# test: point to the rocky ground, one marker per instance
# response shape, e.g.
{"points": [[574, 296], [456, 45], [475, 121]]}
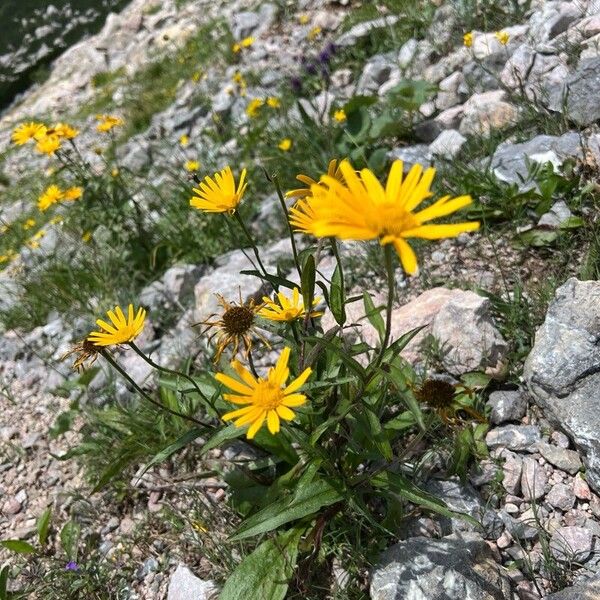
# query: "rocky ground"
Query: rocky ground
{"points": [[537, 494]]}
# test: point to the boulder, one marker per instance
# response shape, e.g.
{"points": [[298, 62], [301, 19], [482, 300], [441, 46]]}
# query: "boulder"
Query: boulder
{"points": [[486, 112], [447, 144], [563, 369], [184, 585], [507, 406], [583, 103], [455, 567]]}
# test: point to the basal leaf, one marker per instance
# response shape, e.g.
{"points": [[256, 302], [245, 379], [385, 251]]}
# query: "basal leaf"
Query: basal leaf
{"points": [[18, 546]]}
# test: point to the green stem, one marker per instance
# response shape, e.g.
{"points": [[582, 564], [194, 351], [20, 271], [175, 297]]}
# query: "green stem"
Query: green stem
{"points": [[173, 372], [239, 219], [389, 267], [146, 397], [275, 180]]}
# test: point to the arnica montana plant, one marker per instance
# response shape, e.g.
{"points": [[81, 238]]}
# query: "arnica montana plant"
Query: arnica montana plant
{"points": [[333, 425]]}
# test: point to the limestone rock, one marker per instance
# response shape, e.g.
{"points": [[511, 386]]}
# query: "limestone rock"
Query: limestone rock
{"points": [[507, 406], [583, 103], [487, 111], [563, 368], [184, 585], [457, 566]]}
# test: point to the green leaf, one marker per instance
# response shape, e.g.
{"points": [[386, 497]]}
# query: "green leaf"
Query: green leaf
{"points": [[308, 281], [373, 314], [265, 574], [376, 434], [18, 546], [400, 485], [62, 423], [537, 238], [397, 346], [115, 468], [337, 297], [358, 123], [187, 438], [378, 159], [69, 538], [231, 432], [475, 379], [359, 101], [4, 582], [405, 420], [43, 525], [307, 500]]}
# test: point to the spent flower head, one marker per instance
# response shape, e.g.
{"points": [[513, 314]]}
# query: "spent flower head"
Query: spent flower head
{"points": [[263, 399]]}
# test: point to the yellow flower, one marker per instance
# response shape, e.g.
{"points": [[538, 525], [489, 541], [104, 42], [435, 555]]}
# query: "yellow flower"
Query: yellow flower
{"points": [[285, 144], [265, 398], [247, 42], [62, 130], [10, 255], [502, 37], [314, 33], [28, 131], [123, 329], [184, 140], [273, 102], [33, 244], [29, 224], [73, 193], [39, 235], [286, 309], [236, 326], [236, 48], [340, 115], [303, 19], [107, 122], [219, 195], [56, 220], [48, 144], [191, 165], [87, 236], [51, 195], [333, 170], [468, 39], [362, 209], [115, 172], [196, 76], [254, 107]]}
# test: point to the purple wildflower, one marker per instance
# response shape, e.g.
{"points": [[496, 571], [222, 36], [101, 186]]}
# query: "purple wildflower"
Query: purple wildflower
{"points": [[71, 566]]}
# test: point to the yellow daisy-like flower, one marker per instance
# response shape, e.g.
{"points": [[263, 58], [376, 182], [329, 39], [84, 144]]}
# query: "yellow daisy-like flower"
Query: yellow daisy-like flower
{"points": [[107, 122], [86, 237], [123, 329], [286, 309], [273, 102], [62, 130], [340, 115], [314, 33], [9, 256], [265, 398], [254, 107], [184, 140], [236, 48], [219, 195], [114, 172], [502, 37], [468, 39], [33, 244], [285, 144], [196, 76], [191, 165], [29, 224], [362, 209], [56, 220], [39, 235], [247, 42], [48, 144], [333, 170], [303, 19], [73, 193], [28, 131], [51, 195]]}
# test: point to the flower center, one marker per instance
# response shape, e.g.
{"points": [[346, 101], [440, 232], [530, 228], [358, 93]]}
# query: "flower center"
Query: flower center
{"points": [[268, 395], [238, 320], [392, 219]]}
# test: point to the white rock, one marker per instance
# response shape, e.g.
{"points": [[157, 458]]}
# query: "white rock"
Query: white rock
{"points": [[184, 585]]}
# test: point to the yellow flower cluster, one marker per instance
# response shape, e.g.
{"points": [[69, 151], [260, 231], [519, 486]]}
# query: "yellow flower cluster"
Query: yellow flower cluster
{"points": [[48, 139], [245, 43], [253, 108], [501, 36], [53, 195]]}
